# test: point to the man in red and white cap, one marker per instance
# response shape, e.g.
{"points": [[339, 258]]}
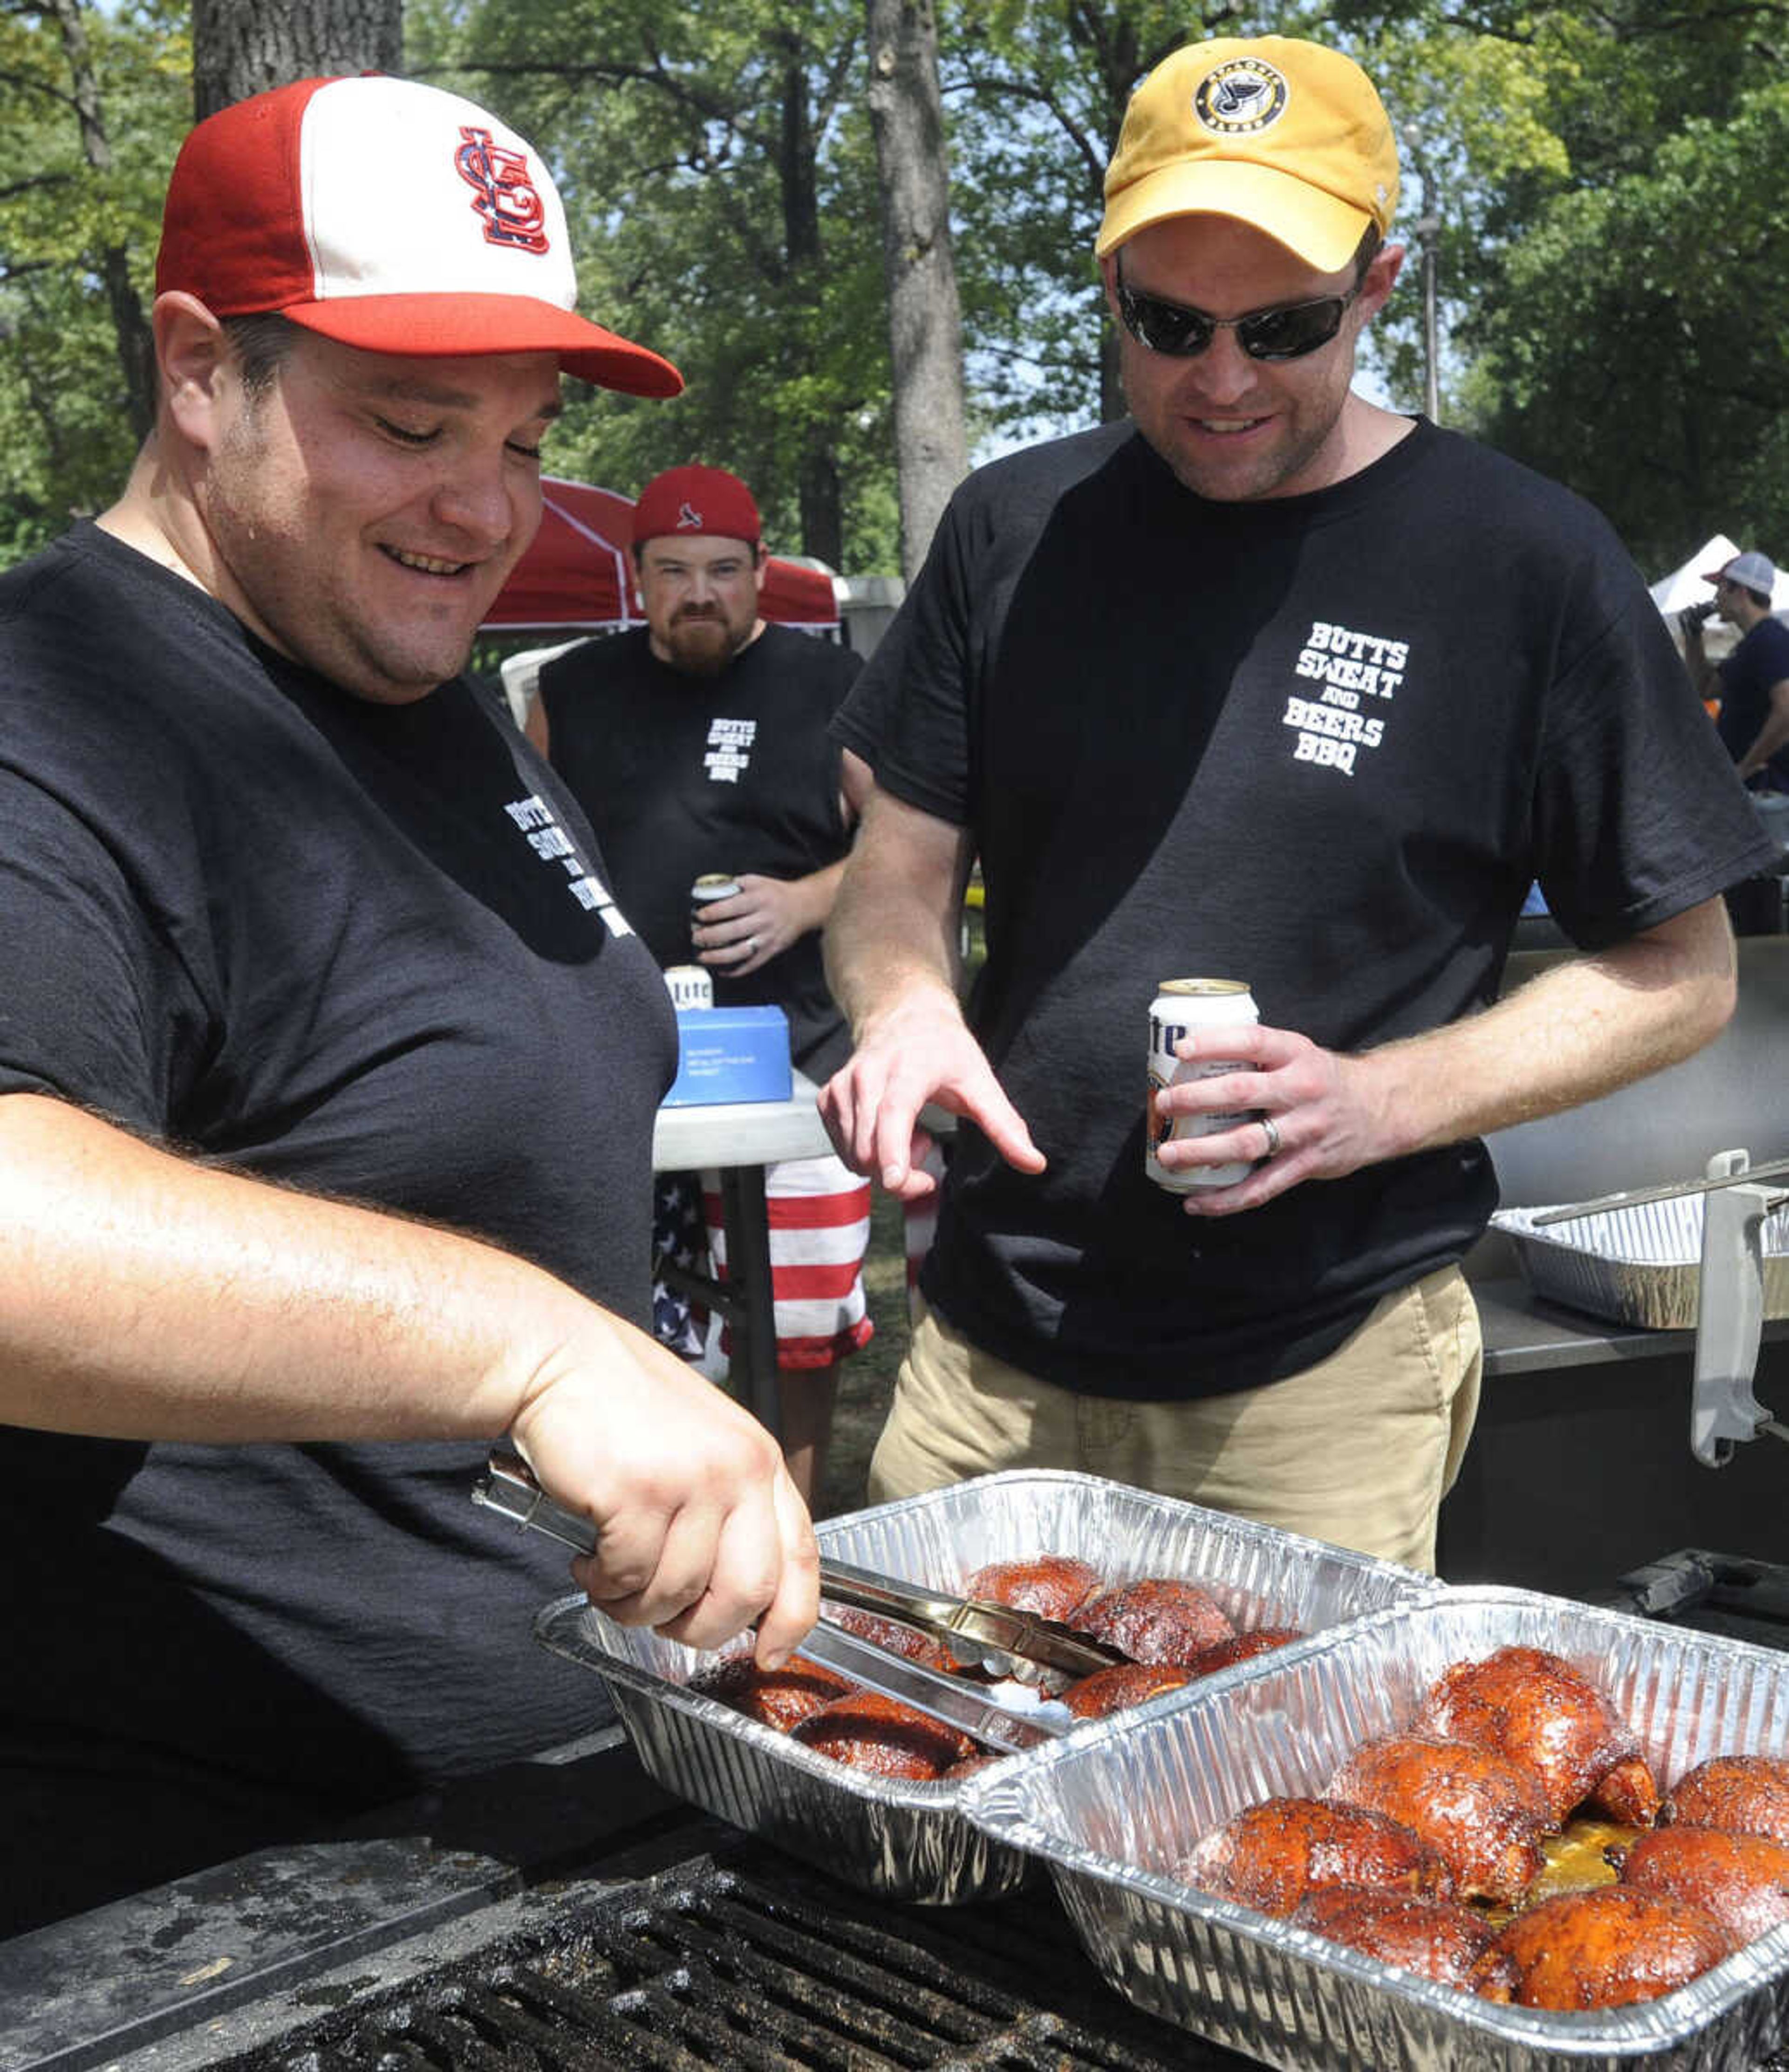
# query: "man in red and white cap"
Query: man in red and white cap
{"points": [[328, 1065], [696, 744]]}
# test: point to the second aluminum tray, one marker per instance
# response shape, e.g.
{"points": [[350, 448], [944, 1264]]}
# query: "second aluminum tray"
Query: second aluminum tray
{"points": [[1640, 1264], [1112, 1813]]}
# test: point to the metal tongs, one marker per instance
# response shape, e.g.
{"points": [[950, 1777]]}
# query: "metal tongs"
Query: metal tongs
{"points": [[978, 1634], [1672, 1192], [993, 1639]]}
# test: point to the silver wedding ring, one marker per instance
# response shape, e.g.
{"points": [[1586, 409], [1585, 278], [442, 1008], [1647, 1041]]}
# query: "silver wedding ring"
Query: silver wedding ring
{"points": [[751, 946], [1270, 1130]]}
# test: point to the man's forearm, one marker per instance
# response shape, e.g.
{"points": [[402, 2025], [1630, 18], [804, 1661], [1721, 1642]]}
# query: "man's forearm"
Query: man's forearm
{"points": [[1771, 736], [888, 932], [819, 891], [1578, 1031], [145, 1296]]}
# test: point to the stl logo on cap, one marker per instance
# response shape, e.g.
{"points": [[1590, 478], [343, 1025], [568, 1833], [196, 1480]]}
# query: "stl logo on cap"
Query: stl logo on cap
{"points": [[689, 518], [1240, 98], [507, 198]]}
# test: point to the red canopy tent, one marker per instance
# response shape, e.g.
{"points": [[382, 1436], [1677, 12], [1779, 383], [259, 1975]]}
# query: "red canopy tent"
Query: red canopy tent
{"points": [[578, 573]]}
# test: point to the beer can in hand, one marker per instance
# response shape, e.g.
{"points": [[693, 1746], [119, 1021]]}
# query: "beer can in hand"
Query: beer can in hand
{"points": [[1186, 1007], [712, 886]]}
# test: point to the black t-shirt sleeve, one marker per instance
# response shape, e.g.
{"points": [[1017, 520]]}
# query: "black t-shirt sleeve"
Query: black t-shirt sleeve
{"points": [[1634, 804], [908, 714], [96, 1005]]}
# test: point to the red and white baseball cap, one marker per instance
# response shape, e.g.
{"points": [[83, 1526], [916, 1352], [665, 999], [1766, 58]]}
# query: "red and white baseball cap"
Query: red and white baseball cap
{"points": [[697, 499], [389, 216]]}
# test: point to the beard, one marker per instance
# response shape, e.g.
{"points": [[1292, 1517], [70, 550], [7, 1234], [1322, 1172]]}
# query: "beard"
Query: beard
{"points": [[702, 644]]}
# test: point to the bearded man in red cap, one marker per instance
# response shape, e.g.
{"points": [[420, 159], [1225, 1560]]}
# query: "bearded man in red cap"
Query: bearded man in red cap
{"points": [[699, 745], [328, 1067]]}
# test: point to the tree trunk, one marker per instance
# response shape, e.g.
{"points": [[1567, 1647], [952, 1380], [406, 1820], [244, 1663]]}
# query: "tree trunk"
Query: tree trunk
{"points": [[925, 319], [822, 504], [136, 349], [244, 47], [817, 470]]}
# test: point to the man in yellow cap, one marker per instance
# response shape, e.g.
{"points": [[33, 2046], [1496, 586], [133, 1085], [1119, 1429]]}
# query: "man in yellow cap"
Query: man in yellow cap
{"points": [[1266, 684]]}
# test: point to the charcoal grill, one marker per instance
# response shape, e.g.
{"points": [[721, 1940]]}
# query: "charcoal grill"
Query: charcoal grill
{"points": [[686, 1944], [737, 1959]]}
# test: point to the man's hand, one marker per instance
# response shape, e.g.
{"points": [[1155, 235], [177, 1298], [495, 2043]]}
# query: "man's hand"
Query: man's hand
{"points": [[699, 1530], [1328, 1112], [1580, 1029], [918, 1050], [760, 922]]}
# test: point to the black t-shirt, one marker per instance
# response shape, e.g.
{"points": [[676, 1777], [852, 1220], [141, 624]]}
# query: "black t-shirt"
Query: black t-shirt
{"points": [[1758, 662], [365, 950], [1322, 744], [682, 775]]}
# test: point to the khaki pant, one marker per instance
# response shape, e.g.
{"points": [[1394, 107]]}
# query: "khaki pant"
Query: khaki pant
{"points": [[1359, 1450]]}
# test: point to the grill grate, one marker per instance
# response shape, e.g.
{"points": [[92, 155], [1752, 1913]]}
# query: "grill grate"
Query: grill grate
{"points": [[715, 1964]]}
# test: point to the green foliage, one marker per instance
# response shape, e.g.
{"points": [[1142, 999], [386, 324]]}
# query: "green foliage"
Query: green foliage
{"points": [[682, 139], [1606, 182], [1612, 251], [65, 440], [1641, 348]]}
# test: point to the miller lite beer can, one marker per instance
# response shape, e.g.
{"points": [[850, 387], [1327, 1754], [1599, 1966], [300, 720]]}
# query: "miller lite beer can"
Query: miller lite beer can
{"points": [[1186, 1007], [689, 985]]}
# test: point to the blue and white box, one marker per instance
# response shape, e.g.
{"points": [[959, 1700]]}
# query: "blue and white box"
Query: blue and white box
{"points": [[730, 1054]]}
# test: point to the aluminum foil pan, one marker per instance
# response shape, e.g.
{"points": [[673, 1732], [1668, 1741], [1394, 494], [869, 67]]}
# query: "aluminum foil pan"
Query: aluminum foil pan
{"points": [[1641, 1265], [910, 1841], [1110, 1807]]}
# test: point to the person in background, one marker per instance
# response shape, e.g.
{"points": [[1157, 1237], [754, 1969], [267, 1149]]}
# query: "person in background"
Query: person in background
{"points": [[1229, 690], [699, 744], [328, 1065], [1752, 683]]}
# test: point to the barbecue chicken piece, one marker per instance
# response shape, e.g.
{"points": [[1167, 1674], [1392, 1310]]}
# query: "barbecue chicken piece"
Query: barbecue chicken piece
{"points": [[1048, 1585], [1241, 1647], [1108, 1690], [1747, 1795], [1484, 1813], [1741, 1880], [868, 1732], [1440, 1938], [1601, 1948], [967, 1766], [1269, 1856], [780, 1698], [1535, 1707], [905, 1641], [1156, 1619], [1126, 1683]]}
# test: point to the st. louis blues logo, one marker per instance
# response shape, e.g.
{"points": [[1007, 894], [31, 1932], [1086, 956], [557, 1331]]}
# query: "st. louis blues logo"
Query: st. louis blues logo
{"points": [[1240, 96], [507, 199]]}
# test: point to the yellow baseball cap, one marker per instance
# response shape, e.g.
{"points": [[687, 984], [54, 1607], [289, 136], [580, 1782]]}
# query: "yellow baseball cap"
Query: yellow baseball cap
{"points": [[1280, 134]]}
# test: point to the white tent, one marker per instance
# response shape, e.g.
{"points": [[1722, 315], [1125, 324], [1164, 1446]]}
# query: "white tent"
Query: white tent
{"points": [[1685, 586]]}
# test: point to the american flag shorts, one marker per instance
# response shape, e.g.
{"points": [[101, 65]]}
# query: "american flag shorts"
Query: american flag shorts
{"points": [[819, 1215]]}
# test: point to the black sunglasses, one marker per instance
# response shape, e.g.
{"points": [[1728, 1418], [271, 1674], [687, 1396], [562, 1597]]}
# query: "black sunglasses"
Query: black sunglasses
{"points": [[1288, 332]]}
